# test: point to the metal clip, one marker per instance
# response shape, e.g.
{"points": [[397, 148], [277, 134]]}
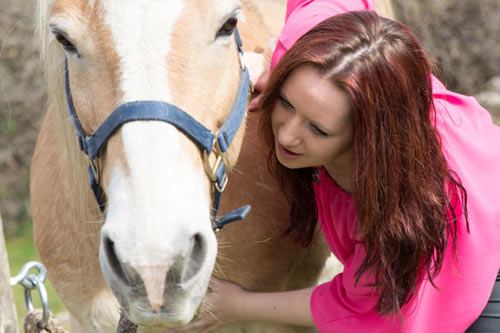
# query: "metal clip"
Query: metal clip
{"points": [[30, 282]]}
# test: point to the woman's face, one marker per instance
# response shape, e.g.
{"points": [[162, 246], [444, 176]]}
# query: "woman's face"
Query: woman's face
{"points": [[312, 124]]}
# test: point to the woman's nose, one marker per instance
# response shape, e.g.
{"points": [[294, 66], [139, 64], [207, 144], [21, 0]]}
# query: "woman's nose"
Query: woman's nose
{"points": [[289, 133]]}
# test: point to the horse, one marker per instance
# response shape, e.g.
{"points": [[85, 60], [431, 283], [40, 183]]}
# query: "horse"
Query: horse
{"points": [[151, 251]]}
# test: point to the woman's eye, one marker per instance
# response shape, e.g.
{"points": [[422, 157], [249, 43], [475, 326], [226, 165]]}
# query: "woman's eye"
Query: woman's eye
{"points": [[317, 131], [66, 44], [228, 27], [285, 103]]}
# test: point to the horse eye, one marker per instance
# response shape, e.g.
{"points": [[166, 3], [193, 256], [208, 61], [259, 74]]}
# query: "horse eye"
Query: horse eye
{"points": [[228, 27], [66, 44]]}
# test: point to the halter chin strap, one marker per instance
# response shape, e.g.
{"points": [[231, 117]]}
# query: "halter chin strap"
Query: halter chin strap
{"points": [[208, 142]]}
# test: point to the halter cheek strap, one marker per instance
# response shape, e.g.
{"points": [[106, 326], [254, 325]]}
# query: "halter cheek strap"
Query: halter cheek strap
{"points": [[208, 142]]}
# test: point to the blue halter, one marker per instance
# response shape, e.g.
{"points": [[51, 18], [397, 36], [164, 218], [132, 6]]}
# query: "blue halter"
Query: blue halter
{"points": [[208, 142]]}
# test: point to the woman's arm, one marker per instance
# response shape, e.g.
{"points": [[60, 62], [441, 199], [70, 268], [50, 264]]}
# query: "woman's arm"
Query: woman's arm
{"points": [[291, 307], [227, 302]]}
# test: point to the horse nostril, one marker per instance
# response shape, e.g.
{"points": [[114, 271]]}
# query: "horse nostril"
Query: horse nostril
{"points": [[196, 257], [114, 262]]}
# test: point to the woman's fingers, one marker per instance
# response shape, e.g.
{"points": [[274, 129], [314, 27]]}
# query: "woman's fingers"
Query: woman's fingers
{"points": [[217, 310], [207, 324], [258, 67], [200, 323], [253, 105], [255, 63], [259, 85], [261, 82]]}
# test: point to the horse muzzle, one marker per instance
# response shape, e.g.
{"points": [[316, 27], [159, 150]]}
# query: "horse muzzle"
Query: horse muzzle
{"points": [[166, 291]]}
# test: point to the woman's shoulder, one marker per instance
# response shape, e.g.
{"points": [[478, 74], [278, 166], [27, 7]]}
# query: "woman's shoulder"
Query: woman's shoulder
{"points": [[463, 123], [469, 140]]}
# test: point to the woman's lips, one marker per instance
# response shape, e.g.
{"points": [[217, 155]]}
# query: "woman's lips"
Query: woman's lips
{"points": [[289, 155]]}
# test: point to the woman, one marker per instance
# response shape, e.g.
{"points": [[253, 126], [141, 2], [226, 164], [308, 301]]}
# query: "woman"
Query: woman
{"points": [[402, 175]]}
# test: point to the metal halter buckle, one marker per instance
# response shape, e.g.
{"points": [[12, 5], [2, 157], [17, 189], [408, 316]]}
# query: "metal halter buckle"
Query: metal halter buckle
{"points": [[212, 170], [224, 183]]}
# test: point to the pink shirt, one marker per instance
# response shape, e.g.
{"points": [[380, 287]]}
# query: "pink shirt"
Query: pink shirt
{"points": [[303, 15], [471, 145]]}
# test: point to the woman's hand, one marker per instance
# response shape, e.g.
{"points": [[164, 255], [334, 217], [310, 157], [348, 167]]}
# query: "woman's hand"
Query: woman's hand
{"points": [[258, 66], [259, 85], [219, 307], [226, 303]]}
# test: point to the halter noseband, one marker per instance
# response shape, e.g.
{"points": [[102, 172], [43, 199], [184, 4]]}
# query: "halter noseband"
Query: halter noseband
{"points": [[208, 142]]}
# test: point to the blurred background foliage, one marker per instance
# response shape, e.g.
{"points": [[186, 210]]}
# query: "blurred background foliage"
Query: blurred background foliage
{"points": [[21, 110], [462, 36]]}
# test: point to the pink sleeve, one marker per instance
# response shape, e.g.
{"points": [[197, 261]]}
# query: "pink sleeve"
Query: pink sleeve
{"points": [[303, 15], [339, 306]]}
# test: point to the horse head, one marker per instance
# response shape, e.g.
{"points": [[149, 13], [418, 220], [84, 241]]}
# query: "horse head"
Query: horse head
{"points": [[157, 247]]}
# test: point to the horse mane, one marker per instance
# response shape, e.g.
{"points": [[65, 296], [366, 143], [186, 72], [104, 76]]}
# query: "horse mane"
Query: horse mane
{"points": [[52, 62]]}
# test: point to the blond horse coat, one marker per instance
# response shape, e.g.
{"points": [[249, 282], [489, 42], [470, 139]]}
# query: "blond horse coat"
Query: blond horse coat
{"points": [[155, 247], [157, 222]]}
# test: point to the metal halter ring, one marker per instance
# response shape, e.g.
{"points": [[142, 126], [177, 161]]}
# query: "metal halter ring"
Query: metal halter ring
{"points": [[212, 170], [224, 183], [34, 281], [44, 298]]}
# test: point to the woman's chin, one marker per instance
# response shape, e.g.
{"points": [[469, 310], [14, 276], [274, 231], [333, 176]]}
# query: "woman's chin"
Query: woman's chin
{"points": [[289, 163]]}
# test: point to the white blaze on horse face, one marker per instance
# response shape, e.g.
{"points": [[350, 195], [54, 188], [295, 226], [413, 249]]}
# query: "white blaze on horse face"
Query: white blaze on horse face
{"points": [[141, 34], [158, 221]]}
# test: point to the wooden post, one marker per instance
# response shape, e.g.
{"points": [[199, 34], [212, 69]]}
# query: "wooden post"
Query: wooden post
{"points": [[8, 315]]}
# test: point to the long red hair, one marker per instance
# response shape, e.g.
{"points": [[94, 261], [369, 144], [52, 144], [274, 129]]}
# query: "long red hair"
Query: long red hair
{"points": [[407, 199]]}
